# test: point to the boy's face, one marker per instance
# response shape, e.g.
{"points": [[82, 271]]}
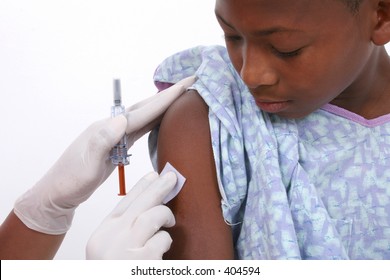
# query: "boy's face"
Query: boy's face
{"points": [[296, 56]]}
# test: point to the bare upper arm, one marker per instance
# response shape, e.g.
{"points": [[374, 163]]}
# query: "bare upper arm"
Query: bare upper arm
{"points": [[184, 141]]}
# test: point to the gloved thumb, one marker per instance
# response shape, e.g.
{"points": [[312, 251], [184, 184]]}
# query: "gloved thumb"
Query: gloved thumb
{"points": [[108, 133]]}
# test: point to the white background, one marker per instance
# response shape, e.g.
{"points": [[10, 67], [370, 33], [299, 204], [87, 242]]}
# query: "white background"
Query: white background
{"points": [[57, 62]]}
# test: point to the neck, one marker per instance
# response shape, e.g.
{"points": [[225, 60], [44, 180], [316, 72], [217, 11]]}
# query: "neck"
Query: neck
{"points": [[369, 95]]}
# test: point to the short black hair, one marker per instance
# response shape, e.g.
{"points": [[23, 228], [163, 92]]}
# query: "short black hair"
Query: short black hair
{"points": [[353, 5]]}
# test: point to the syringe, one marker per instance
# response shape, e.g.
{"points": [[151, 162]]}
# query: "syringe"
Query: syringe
{"points": [[119, 154]]}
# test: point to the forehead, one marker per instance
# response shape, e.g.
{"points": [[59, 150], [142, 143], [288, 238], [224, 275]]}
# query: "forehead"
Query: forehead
{"points": [[294, 11], [265, 4], [305, 14]]}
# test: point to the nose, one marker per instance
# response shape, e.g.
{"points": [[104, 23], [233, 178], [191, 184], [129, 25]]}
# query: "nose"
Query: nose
{"points": [[257, 69]]}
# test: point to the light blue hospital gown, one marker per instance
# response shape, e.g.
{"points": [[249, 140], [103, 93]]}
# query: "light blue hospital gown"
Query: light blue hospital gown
{"points": [[313, 188]]}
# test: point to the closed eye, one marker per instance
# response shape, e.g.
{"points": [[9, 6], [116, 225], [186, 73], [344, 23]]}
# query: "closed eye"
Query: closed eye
{"points": [[288, 54], [232, 38]]}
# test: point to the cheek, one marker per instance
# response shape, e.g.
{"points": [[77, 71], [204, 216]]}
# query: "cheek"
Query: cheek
{"points": [[315, 86], [335, 64], [318, 71], [333, 76]]}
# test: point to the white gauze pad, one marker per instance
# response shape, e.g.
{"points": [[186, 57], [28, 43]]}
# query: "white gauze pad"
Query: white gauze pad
{"points": [[179, 183]]}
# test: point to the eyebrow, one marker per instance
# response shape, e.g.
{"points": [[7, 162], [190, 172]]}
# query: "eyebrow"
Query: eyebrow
{"points": [[265, 32]]}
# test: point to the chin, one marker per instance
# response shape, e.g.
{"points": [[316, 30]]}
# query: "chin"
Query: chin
{"points": [[292, 115]]}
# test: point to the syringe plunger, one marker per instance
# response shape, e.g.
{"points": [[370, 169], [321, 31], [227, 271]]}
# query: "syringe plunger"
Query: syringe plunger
{"points": [[117, 93]]}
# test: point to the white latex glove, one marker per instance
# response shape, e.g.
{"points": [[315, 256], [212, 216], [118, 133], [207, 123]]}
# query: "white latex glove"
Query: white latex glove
{"points": [[49, 205], [132, 230]]}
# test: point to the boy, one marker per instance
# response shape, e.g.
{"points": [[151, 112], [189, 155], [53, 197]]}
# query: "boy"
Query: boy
{"points": [[299, 133]]}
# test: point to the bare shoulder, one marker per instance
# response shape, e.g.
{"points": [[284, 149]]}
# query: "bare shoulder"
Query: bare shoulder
{"points": [[186, 119], [184, 141]]}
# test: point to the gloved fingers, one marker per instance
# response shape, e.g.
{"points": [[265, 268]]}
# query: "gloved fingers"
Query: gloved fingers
{"points": [[159, 244], [146, 111], [140, 187], [105, 134], [135, 135], [140, 117], [184, 83], [149, 222], [152, 196], [187, 82]]}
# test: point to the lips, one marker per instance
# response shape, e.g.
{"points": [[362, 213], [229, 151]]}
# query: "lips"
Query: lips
{"points": [[272, 106]]}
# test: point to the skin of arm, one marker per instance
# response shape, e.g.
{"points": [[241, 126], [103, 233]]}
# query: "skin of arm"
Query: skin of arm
{"points": [[19, 242], [184, 141]]}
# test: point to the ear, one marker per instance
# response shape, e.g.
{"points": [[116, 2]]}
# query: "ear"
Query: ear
{"points": [[381, 32]]}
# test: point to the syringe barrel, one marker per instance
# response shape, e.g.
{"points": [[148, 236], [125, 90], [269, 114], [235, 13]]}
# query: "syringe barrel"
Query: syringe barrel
{"points": [[117, 110], [118, 154]]}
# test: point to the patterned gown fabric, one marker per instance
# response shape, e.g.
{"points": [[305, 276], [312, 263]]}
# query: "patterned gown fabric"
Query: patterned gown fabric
{"points": [[313, 188]]}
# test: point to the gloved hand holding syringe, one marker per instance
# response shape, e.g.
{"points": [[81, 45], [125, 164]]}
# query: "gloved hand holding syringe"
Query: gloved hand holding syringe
{"points": [[44, 213]]}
